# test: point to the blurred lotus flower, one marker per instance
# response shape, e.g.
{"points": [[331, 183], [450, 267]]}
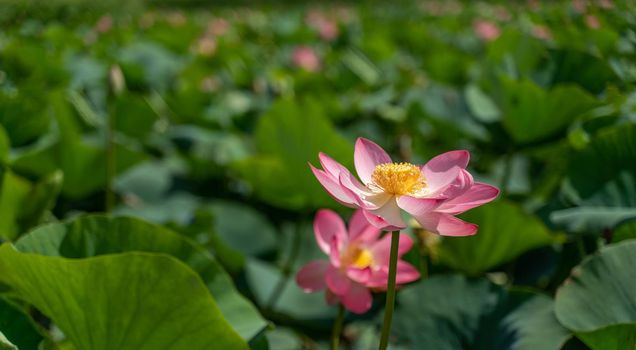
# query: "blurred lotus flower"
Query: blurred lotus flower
{"points": [[541, 32], [502, 14], [580, 6], [306, 58], [358, 261], [176, 18], [486, 30], [104, 24], [218, 26], [606, 4], [327, 28], [314, 17], [210, 84], [592, 22], [534, 5], [432, 193], [206, 46]]}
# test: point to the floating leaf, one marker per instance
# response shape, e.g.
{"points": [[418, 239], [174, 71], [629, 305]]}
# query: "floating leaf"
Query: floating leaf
{"points": [[598, 301], [133, 300], [601, 181], [455, 312], [505, 232], [95, 235], [531, 113], [288, 137], [481, 105]]}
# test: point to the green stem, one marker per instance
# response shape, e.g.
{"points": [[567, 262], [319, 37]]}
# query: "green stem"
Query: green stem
{"points": [[390, 292], [337, 328]]}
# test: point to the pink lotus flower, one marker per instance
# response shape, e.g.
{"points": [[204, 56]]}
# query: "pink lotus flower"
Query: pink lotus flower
{"points": [[541, 32], [306, 58], [104, 24], [432, 193], [592, 22], [486, 30], [358, 261], [327, 28]]}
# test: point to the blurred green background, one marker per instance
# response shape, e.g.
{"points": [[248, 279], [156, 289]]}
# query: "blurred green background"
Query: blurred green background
{"points": [[183, 129]]}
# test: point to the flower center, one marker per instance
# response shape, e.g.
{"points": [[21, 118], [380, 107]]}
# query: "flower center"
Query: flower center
{"points": [[398, 178], [357, 257]]}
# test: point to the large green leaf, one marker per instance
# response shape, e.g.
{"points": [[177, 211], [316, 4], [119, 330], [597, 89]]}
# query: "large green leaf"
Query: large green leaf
{"points": [[601, 181], [455, 312], [505, 232], [96, 235], [531, 113], [124, 301], [23, 120], [590, 72], [76, 156], [288, 137], [516, 52], [598, 301], [18, 327], [133, 115], [611, 153]]}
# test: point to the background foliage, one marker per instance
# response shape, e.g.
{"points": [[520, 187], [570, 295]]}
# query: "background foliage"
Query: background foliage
{"points": [[191, 128]]}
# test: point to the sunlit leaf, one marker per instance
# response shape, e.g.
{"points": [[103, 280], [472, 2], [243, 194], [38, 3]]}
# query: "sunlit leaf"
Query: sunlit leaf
{"points": [[598, 301], [454, 312], [505, 232], [90, 236], [288, 137], [135, 300]]}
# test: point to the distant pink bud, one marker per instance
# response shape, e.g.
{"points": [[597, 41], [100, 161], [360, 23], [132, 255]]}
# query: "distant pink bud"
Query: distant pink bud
{"points": [[502, 14], [104, 24], [218, 26], [541, 32], [580, 6], [306, 58], [314, 17], [328, 30], [486, 30], [592, 22], [206, 46], [176, 18]]}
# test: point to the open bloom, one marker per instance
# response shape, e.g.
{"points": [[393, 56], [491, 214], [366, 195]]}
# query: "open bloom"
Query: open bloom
{"points": [[432, 193], [358, 261]]}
